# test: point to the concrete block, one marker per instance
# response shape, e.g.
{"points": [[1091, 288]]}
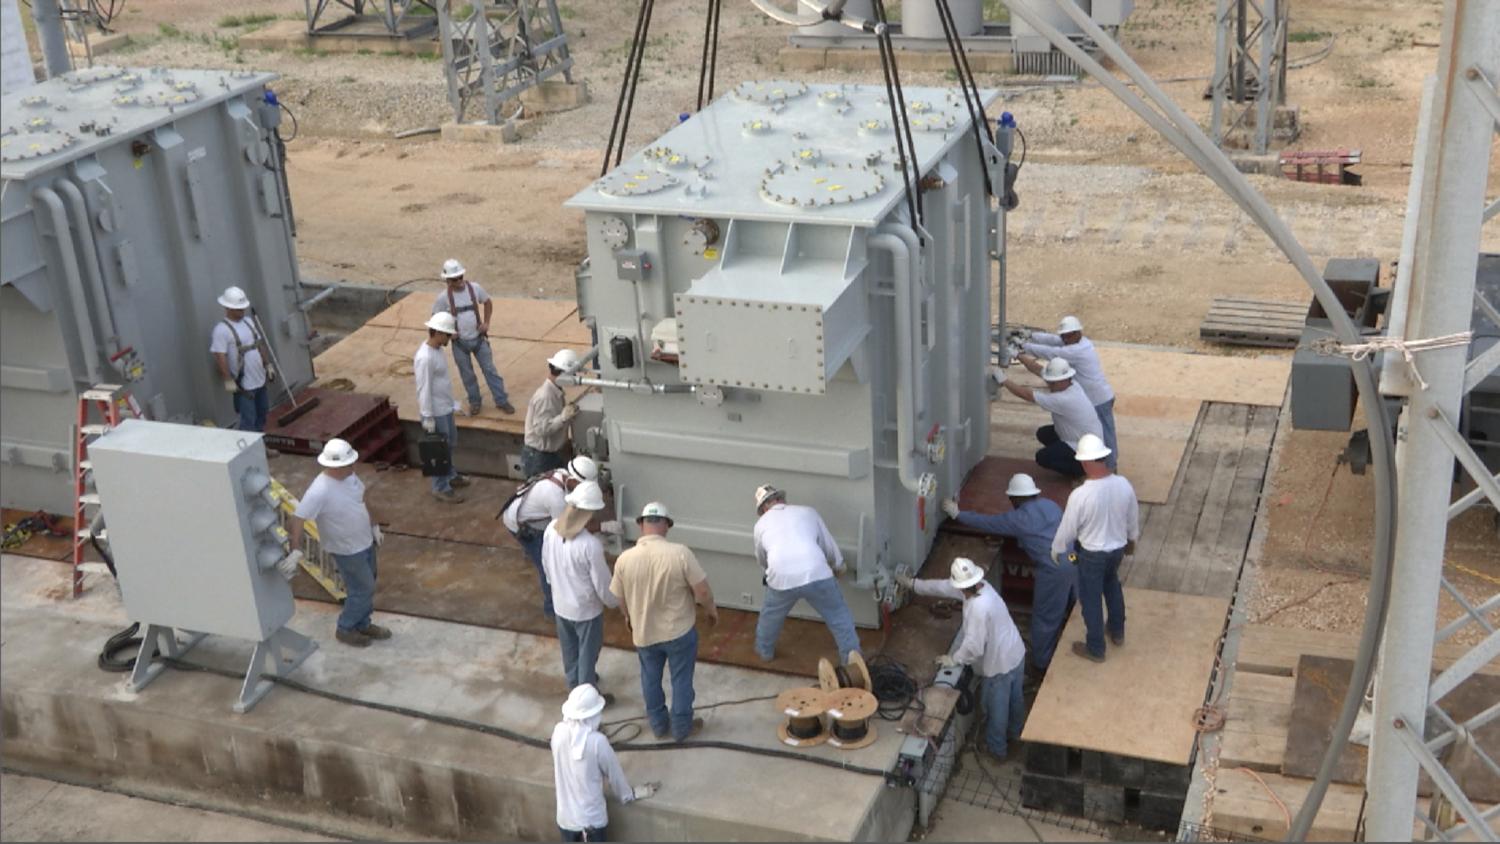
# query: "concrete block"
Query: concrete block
{"points": [[1104, 802], [1164, 778], [285, 35], [1121, 770], [555, 95], [1052, 794], [1046, 759], [1160, 811], [854, 58], [803, 58], [99, 44], [1092, 768], [482, 133], [1265, 165]]}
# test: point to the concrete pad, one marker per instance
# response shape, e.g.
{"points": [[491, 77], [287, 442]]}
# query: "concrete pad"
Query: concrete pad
{"points": [[285, 35], [803, 58], [349, 770], [99, 44], [72, 813], [554, 95], [481, 133]]}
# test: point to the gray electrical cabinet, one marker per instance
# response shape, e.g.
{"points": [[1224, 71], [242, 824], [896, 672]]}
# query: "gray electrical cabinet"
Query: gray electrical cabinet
{"points": [[132, 198], [767, 311]]}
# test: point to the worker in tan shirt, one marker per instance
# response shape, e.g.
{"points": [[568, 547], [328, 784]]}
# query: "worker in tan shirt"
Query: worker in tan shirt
{"points": [[658, 583], [547, 417]]}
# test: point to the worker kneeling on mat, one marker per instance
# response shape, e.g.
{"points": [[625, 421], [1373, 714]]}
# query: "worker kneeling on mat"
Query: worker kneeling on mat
{"points": [[1072, 415], [989, 643], [335, 502], [584, 766], [802, 563]]}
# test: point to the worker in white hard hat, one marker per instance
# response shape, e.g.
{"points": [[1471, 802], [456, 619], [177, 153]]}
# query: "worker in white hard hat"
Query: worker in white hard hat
{"points": [[989, 644], [1099, 527], [535, 504], [574, 562], [435, 399], [802, 562], [472, 308], [547, 417], [1032, 521], [350, 533], [1072, 415], [238, 350], [658, 583], [1070, 345], [584, 766]]}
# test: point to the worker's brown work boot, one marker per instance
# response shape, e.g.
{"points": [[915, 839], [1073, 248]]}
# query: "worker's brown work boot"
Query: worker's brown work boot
{"points": [[1080, 649], [375, 631], [508, 409], [697, 727], [353, 637], [449, 497]]}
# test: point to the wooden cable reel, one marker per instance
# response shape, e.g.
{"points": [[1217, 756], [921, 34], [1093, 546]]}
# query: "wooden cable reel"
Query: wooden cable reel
{"points": [[854, 675], [850, 710], [804, 712]]}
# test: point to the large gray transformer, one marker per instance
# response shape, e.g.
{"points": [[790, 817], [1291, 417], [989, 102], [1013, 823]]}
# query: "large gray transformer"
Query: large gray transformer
{"points": [[767, 312], [132, 198]]}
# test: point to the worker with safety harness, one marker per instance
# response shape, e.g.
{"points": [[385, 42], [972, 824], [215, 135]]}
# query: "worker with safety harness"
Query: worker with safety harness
{"points": [[236, 345], [547, 417], [472, 307], [535, 504]]}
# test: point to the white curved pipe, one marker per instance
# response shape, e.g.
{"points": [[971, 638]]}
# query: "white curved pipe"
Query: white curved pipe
{"points": [[919, 268], [643, 387], [904, 267], [80, 211], [80, 303]]}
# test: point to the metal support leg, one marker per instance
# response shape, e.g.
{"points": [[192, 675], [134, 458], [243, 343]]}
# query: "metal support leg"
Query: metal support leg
{"points": [[277, 656], [158, 640]]}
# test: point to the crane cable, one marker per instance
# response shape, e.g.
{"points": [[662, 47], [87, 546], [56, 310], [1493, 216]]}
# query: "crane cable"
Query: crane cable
{"points": [[965, 73], [900, 124], [710, 61], [625, 103]]}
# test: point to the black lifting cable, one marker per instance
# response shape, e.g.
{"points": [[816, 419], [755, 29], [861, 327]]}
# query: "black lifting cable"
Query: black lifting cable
{"points": [[110, 659], [911, 146], [713, 63], [710, 61], [626, 100], [961, 68], [909, 175]]}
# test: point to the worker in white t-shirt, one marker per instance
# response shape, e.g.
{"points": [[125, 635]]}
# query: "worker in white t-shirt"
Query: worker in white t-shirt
{"points": [[1099, 527], [435, 400], [236, 346], [1073, 415], [802, 563], [472, 307], [1070, 345], [335, 502]]}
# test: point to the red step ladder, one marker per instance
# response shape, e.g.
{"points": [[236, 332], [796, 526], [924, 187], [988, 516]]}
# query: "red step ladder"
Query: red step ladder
{"points": [[107, 400]]}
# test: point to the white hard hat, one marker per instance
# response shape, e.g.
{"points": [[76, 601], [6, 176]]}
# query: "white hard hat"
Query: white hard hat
{"points": [[444, 322], [583, 702], [586, 496], [766, 492], [1091, 447], [1021, 486], [582, 468], [1069, 325], [452, 269], [1057, 369], [657, 510], [563, 359], [965, 573], [337, 454], [234, 299]]}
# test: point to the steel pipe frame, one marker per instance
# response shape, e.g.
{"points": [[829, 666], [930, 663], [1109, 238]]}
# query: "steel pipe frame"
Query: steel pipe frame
{"points": [[494, 61], [1232, 60]]}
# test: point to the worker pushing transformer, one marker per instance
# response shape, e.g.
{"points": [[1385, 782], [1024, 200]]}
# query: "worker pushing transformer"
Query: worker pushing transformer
{"points": [[1070, 345], [1073, 416], [802, 563]]}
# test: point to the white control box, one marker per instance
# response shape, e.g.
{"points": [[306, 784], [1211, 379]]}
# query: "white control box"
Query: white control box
{"points": [[193, 532]]}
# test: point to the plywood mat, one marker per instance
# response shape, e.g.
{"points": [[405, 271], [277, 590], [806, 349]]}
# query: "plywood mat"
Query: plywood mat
{"points": [[1157, 399], [1139, 702], [377, 358]]}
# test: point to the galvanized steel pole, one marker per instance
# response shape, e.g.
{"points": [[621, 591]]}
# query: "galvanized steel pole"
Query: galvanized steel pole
{"points": [[49, 31]]}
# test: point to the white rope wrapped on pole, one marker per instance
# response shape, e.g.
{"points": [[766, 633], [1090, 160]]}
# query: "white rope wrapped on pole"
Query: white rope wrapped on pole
{"points": [[1408, 349]]}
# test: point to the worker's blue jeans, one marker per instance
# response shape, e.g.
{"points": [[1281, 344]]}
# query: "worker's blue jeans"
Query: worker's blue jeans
{"points": [[681, 655], [595, 833], [358, 571], [825, 599], [252, 406], [533, 549], [1004, 708], [448, 428], [1055, 589], [535, 461], [1056, 454], [479, 347], [1098, 589], [581, 641], [1106, 411]]}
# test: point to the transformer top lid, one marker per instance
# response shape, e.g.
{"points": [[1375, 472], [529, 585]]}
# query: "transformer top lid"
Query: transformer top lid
{"points": [[782, 150], [76, 114]]}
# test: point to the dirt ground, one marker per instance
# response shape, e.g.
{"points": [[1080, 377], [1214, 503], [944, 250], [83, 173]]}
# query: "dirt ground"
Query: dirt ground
{"points": [[1113, 226]]}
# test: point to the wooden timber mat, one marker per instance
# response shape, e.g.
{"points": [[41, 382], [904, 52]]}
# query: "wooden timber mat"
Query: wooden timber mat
{"points": [[377, 357], [457, 563], [1158, 396], [1321, 684], [1140, 701]]}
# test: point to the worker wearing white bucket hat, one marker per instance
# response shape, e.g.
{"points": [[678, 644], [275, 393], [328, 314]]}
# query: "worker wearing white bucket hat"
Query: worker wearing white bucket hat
{"points": [[1099, 527], [236, 345], [989, 644], [335, 502], [1070, 345], [584, 766], [573, 559]]}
